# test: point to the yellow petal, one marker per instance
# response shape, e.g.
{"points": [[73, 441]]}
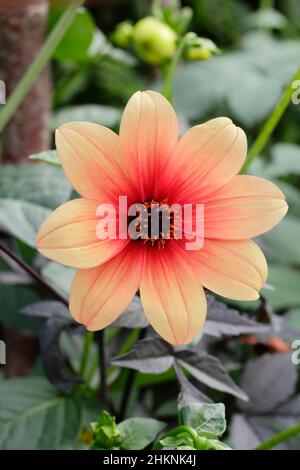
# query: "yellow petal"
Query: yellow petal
{"points": [[92, 160], [233, 269], [99, 295], [69, 236], [244, 208], [206, 157], [173, 299]]}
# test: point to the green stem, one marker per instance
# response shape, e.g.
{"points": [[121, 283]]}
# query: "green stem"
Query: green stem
{"points": [[92, 369], [102, 369], [88, 340], [271, 123], [156, 8], [171, 68], [129, 384], [280, 437], [39, 63]]}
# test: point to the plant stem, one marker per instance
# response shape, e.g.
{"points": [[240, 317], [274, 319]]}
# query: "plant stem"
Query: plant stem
{"points": [[129, 383], [92, 369], [102, 368], [127, 392], [156, 8], [32, 273], [280, 437], [171, 68], [88, 340], [271, 123], [39, 63]]}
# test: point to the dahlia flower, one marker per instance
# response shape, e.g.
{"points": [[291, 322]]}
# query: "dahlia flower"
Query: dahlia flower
{"points": [[151, 165]]}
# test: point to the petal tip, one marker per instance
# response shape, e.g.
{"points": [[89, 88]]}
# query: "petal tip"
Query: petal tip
{"points": [[90, 326], [256, 296], [59, 135]]}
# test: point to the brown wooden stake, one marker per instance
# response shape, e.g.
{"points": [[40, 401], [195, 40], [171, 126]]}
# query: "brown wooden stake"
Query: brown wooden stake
{"points": [[23, 31]]}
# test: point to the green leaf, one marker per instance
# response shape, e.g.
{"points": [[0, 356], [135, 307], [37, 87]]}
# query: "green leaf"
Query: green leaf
{"points": [[22, 219], [200, 103], [16, 292], [49, 157], [105, 115], [286, 281], [285, 160], [263, 65], [40, 184], [101, 48], [60, 277], [181, 441], [209, 370], [34, 416], [116, 79], [266, 90], [70, 84], [208, 419], [282, 243], [293, 318], [106, 434], [224, 19], [214, 444], [138, 433], [78, 38], [150, 355], [268, 18], [13, 298]]}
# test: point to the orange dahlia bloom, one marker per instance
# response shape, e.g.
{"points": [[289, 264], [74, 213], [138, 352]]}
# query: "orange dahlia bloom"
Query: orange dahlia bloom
{"points": [[149, 162]]}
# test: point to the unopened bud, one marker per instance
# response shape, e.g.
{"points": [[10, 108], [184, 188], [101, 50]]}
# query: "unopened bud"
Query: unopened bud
{"points": [[154, 41], [200, 49], [122, 35]]}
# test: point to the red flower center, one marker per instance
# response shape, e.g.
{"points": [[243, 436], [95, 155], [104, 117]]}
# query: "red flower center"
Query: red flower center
{"points": [[154, 224]]}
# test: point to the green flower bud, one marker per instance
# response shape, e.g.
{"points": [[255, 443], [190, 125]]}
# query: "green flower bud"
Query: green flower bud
{"points": [[154, 41], [122, 35], [197, 53], [106, 434], [200, 49]]}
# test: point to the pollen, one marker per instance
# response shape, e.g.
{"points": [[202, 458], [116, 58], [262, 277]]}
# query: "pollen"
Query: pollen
{"points": [[156, 224]]}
